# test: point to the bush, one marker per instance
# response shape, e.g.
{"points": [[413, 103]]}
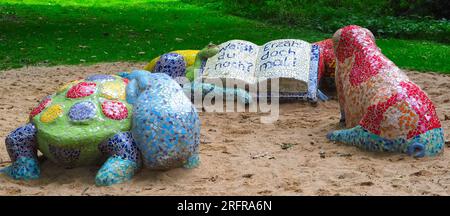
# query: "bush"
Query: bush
{"points": [[433, 8], [381, 17]]}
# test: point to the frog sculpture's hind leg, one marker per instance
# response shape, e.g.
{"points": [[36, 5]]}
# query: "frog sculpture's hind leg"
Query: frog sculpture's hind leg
{"points": [[22, 149], [123, 162]]}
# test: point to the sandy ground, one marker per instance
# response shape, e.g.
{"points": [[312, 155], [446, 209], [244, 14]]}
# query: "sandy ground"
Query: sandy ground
{"points": [[239, 154]]}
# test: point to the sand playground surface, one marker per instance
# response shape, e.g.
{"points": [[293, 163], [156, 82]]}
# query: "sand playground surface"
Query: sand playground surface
{"points": [[239, 154]]}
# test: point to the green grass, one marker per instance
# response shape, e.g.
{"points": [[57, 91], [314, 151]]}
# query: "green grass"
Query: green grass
{"points": [[74, 32], [417, 55]]}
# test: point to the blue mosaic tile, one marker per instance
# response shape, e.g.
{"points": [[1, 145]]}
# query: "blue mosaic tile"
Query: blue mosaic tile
{"points": [[115, 170], [121, 145], [64, 156], [172, 64], [22, 142], [82, 111], [165, 126], [24, 168], [418, 146]]}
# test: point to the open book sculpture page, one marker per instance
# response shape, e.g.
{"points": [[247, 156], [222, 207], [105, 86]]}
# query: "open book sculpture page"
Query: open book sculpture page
{"points": [[293, 63]]}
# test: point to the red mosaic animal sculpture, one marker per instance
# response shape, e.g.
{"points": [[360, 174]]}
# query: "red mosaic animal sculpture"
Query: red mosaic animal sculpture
{"points": [[384, 110], [327, 62]]}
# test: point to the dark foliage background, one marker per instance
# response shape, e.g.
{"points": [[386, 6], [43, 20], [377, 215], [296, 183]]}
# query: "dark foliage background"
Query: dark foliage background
{"points": [[409, 19]]}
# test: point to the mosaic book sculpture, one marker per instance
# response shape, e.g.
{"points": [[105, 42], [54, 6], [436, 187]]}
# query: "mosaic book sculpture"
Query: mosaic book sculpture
{"points": [[88, 120], [382, 108], [183, 63], [294, 63]]}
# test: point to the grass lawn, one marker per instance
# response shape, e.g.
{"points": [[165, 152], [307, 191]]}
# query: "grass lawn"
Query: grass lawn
{"points": [[35, 32]]}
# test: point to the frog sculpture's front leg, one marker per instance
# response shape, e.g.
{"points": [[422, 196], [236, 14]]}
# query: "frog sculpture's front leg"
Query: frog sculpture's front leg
{"points": [[22, 149], [123, 162]]}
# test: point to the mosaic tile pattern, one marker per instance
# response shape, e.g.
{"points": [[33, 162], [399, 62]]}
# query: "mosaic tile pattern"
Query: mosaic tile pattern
{"points": [[358, 136], [113, 90], [313, 76], [82, 111], [24, 168], [166, 126], [115, 170], [68, 127], [327, 63], [383, 108], [22, 142], [115, 110], [188, 55], [82, 89], [52, 113], [121, 145], [176, 63], [124, 161], [44, 104], [172, 64], [65, 156], [80, 125], [22, 149]]}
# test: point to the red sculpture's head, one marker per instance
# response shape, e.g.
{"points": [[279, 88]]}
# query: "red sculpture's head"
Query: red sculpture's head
{"points": [[327, 60], [351, 38]]}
